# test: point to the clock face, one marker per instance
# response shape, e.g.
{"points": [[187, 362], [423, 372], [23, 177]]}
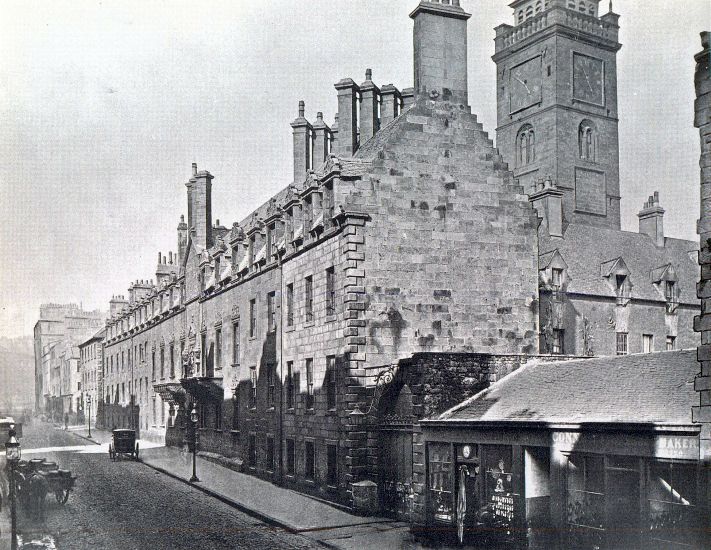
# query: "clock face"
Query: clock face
{"points": [[466, 451], [588, 79], [525, 84]]}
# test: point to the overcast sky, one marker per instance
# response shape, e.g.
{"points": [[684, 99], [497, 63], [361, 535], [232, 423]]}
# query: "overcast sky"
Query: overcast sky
{"points": [[104, 105]]}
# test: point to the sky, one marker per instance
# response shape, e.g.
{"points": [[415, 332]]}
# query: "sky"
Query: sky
{"points": [[105, 105]]}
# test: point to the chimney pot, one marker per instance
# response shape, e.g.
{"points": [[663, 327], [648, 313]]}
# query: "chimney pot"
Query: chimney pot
{"points": [[194, 168], [302, 108], [217, 222], [651, 219], [158, 257], [368, 74]]}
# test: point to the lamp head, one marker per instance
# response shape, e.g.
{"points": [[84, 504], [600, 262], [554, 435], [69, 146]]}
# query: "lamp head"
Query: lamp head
{"points": [[12, 446], [193, 415]]}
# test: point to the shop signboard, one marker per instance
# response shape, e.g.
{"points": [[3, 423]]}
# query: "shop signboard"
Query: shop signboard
{"points": [[677, 446]]}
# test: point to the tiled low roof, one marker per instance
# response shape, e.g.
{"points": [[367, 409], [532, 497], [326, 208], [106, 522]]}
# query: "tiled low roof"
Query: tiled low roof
{"points": [[640, 388], [584, 249]]}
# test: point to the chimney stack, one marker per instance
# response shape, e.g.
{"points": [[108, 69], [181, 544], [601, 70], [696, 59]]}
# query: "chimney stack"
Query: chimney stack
{"points": [[651, 219], [347, 143], [182, 239], [389, 104], [200, 207], [322, 140], [302, 145], [548, 202], [440, 46], [369, 102]]}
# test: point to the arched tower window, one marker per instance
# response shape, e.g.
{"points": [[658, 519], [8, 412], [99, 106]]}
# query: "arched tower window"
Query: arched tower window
{"points": [[587, 140], [571, 5], [583, 8], [520, 16], [591, 10], [539, 6], [526, 145], [529, 12]]}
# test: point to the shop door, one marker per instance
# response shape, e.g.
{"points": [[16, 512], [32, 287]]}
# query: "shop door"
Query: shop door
{"points": [[623, 510], [396, 473]]}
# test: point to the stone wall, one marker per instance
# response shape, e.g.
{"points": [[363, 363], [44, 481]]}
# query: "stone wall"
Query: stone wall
{"points": [[702, 121]]}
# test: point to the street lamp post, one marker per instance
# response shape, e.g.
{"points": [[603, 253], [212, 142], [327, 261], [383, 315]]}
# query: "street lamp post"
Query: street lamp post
{"points": [[12, 454], [194, 420], [88, 406]]}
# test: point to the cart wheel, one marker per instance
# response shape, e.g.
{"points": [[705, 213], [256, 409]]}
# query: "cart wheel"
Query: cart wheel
{"points": [[62, 495], [135, 456]]}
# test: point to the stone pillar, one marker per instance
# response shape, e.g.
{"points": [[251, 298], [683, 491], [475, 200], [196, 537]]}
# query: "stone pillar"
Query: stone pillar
{"points": [[347, 117], [389, 104], [702, 323], [440, 47], [322, 139], [369, 102], [651, 219], [302, 145]]}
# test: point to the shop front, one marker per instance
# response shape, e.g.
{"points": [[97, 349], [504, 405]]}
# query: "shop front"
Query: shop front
{"points": [[566, 486]]}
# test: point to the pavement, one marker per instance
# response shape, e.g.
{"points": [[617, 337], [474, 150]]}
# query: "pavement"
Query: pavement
{"points": [[293, 511]]}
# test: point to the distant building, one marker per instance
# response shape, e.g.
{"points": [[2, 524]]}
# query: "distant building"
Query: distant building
{"points": [[67, 324], [91, 371]]}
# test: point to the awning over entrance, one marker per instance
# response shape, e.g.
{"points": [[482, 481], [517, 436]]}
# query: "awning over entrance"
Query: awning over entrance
{"points": [[172, 393], [203, 388]]}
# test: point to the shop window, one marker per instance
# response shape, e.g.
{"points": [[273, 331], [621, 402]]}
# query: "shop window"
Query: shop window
{"points": [[497, 466], [270, 453], [586, 500], [557, 342], [309, 460], [622, 343], [671, 343], [309, 383], [331, 465], [440, 481], [290, 457], [647, 343], [673, 513]]}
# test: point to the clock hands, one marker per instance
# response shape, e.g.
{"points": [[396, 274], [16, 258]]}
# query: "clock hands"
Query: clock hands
{"points": [[524, 83], [586, 77]]}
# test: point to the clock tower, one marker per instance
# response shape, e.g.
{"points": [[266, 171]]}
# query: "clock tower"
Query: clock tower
{"points": [[557, 104]]}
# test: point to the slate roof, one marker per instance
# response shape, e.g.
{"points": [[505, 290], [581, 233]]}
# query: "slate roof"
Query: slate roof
{"points": [[584, 249], [641, 388]]}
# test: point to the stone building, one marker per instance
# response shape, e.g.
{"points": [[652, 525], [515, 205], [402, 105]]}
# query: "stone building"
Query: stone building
{"points": [[603, 291], [403, 270], [68, 324], [90, 367]]}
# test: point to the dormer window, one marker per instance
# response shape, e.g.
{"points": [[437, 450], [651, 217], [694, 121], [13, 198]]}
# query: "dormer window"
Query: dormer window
{"points": [[622, 289], [671, 295], [271, 241], [556, 278], [250, 249]]}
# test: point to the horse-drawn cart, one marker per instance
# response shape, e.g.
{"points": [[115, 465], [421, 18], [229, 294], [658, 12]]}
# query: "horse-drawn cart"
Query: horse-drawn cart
{"points": [[124, 443], [37, 477]]}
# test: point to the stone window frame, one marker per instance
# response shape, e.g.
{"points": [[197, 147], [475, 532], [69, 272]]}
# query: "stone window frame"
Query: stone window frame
{"points": [[309, 396], [310, 460], [271, 311], [309, 299], [331, 383], [670, 342], [290, 386], [525, 145], [331, 469], [622, 343], [648, 341], [331, 291], [290, 305], [290, 451], [253, 387], [588, 146]]}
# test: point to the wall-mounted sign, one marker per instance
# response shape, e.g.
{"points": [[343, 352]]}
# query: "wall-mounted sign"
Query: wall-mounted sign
{"points": [[677, 446]]}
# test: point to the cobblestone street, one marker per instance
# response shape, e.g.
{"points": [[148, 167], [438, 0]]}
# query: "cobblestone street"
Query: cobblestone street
{"points": [[126, 505]]}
